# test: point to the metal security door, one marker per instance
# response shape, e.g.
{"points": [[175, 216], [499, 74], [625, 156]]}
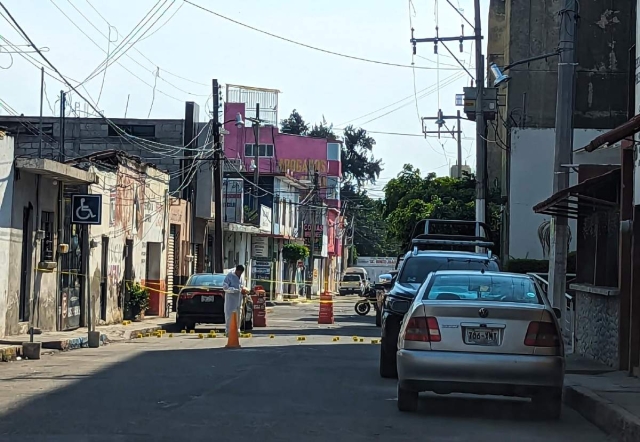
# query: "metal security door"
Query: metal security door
{"points": [[170, 267]]}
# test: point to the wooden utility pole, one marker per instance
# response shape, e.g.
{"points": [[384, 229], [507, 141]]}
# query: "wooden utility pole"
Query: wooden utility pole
{"points": [[218, 251], [314, 208]]}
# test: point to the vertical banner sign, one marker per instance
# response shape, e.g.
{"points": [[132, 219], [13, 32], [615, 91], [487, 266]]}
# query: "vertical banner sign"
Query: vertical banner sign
{"points": [[233, 197], [317, 248]]}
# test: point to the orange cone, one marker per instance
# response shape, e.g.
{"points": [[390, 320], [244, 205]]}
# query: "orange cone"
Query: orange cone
{"points": [[233, 340]]}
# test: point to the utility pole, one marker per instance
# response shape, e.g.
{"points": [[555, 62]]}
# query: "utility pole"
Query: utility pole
{"points": [[218, 251], [455, 132], [479, 92], [40, 121], [63, 97], [314, 204], [256, 155], [565, 101], [481, 146]]}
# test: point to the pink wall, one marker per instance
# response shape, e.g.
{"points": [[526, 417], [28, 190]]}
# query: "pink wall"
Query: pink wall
{"points": [[298, 154], [293, 152]]}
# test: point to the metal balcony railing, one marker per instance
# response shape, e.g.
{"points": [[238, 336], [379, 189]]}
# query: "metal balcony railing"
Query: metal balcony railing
{"points": [[568, 320]]}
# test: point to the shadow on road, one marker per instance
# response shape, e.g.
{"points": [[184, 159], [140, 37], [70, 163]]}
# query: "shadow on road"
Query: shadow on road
{"points": [[267, 393]]}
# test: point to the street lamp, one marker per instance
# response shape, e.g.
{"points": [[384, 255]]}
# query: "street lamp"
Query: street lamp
{"points": [[501, 79]]}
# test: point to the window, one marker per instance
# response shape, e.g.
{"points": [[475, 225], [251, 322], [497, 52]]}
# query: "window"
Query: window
{"points": [[265, 150], [137, 130], [333, 188], [416, 269], [333, 151], [493, 288], [214, 280], [351, 277], [46, 251]]}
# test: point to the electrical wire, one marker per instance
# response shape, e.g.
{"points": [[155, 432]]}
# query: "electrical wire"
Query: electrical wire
{"points": [[144, 56], [315, 48], [151, 71]]}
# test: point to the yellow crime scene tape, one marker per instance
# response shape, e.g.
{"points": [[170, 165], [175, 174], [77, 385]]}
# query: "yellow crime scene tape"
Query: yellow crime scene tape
{"points": [[157, 290]]}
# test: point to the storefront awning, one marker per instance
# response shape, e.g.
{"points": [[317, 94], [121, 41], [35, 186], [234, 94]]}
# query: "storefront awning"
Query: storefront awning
{"points": [[621, 132], [577, 200], [55, 170]]}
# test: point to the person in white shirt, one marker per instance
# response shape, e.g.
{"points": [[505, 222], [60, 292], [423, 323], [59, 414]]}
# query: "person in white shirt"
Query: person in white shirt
{"points": [[233, 292]]}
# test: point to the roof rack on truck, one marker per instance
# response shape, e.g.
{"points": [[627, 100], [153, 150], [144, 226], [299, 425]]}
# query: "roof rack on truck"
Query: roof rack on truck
{"points": [[441, 234]]}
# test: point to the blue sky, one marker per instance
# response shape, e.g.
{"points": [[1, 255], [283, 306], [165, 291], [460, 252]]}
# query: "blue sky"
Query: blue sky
{"points": [[199, 46]]}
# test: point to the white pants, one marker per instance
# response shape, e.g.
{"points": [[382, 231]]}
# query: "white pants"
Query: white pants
{"points": [[232, 303]]}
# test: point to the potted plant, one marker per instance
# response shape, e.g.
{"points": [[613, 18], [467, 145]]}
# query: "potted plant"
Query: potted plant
{"points": [[138, 301]]}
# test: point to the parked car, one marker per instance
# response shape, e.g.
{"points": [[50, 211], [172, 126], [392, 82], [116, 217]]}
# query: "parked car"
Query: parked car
{"points": [[351, 283], [481, 333], [201, 301], [424, 258]]}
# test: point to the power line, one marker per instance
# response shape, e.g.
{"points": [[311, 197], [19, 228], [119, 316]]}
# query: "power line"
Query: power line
{"points": [[315, 48]]}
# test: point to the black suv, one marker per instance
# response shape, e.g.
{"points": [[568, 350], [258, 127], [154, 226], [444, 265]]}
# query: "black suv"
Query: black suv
{"points": [[427, 255]]}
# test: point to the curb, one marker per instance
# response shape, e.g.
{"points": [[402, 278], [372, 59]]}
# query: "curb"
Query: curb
{"points": [[603, 413]]}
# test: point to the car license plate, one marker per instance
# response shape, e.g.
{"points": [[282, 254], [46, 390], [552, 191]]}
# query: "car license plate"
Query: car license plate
{"points": [[211, 298], [481, 336]]}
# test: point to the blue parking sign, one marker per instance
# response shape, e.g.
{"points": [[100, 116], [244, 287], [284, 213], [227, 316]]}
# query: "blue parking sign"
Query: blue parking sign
{"points": [[86, 209]]}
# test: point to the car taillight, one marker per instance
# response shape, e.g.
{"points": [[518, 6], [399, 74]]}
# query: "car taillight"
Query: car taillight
{"points": [[542, 334], [186, 295], [422, 329]]}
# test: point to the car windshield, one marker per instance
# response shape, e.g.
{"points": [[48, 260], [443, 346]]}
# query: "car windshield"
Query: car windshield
{"points": [[416, 269], [213, 280], [496, 288], [351, 278]]}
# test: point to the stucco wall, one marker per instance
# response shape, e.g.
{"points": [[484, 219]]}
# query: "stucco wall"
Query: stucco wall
{"points": [[531, 182], [597, 327], [42, 286], [124, 190], [6, 200]]}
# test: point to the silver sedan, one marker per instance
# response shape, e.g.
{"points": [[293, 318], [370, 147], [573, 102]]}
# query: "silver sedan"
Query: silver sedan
{"points": [[481, 333]]}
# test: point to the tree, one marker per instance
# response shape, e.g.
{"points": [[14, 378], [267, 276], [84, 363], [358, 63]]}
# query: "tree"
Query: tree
{"points": [[411, 198], [323, 130], [294, 124], [370, 230], [359, 167]]}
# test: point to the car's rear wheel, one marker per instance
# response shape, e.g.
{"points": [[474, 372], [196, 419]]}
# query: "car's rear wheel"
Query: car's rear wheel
{"points": [[549, 403], [388, 367], [407, 399]]}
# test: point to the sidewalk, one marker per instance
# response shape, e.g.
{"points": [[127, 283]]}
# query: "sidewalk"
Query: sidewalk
{"points": [[11, 346], [609, 399]]}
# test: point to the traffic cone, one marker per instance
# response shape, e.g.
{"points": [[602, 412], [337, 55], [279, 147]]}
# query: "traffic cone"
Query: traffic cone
{"points": [[233, 340]]}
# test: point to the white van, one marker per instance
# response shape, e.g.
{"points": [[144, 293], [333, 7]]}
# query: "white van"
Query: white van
{"points": [[360, 271]]}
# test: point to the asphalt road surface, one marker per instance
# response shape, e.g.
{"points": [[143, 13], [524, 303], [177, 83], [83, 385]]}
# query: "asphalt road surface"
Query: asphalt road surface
{"points": [[273, 389]]}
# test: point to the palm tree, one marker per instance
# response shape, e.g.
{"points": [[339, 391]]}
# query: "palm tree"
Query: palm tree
{"points": [[544, 236]]}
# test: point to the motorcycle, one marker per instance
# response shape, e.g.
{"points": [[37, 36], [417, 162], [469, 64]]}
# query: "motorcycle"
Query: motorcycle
{"points": [[363, 306]]}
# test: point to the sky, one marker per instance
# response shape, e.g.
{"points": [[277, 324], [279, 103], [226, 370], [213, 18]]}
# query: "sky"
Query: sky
{"points": [[175, 59]]}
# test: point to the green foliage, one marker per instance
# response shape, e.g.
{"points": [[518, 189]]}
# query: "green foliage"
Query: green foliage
{"points": [[138, 298], [410, 198], [294, 124], [294, 252], [359, 167], [537, 265]]}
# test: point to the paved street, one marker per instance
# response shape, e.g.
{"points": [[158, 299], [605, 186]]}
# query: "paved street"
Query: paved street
{"points": [[273, 389]]}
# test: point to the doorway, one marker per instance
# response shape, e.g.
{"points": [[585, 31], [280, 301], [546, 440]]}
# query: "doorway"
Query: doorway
{"points": [[104, 277], [25, 266]]}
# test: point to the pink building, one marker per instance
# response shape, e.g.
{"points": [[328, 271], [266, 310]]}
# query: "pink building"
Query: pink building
{"points": [[299, 157]]}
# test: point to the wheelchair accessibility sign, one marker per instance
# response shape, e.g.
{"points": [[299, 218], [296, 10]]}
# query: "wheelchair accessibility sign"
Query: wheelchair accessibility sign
{"points": [[86, 209]]}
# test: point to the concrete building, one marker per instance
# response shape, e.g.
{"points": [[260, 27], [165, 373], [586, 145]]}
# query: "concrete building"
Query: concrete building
{"points": [[520, 153], [131, 243], [297, 157]]}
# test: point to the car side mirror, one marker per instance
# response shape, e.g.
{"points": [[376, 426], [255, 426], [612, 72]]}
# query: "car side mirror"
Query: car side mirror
{"points": [[400, 306], [558, 312]]}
